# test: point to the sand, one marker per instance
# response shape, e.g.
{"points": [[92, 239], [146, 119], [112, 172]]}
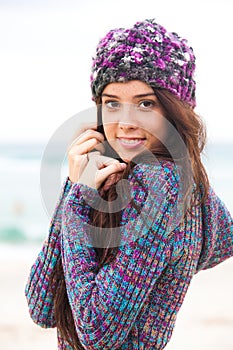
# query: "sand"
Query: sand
{"points": [[205, 321]]}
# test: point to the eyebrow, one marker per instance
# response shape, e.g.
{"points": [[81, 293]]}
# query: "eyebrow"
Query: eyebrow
{"points": [[136, 96]]}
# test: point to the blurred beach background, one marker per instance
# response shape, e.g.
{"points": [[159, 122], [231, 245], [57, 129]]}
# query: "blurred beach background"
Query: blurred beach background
{"points": [[45, 52]]}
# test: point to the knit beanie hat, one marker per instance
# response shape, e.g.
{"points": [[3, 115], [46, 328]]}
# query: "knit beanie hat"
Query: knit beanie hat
{"points": [[146, 52]]}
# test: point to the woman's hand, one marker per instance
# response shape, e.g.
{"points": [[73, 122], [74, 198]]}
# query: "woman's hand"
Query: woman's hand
{"points": [[87, 140], [98, 168]]}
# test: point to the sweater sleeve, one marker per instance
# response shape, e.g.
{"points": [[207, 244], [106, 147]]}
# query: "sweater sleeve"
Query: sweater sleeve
{"points": [[217, 243], [105, 304], [39, 288]]}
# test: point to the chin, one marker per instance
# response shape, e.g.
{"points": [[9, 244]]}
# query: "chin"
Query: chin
{"points": [[128, 157]]}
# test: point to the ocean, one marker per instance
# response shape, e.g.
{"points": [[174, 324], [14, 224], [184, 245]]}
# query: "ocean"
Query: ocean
{"points": [[24, 215]]}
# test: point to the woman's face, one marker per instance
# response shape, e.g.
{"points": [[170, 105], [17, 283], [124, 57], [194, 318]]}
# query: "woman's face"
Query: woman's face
{"points": [[132, 118]]}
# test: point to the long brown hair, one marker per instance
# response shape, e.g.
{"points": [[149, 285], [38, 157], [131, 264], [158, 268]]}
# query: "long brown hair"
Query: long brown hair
{"points": [[192, 131]]}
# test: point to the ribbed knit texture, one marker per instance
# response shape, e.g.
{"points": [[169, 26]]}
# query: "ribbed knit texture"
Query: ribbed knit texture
{"points": [[131, 303], [38, 289]]}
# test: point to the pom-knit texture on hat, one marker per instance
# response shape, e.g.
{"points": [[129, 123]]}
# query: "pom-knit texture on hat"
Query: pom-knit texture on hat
{"points": [[147, 52]]}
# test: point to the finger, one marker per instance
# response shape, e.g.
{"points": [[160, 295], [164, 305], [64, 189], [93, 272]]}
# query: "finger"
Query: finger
{"points": [[84, 127], [88, 134], [83, 148], [93, 155], [104, 173], [100, 147], [102, 161]]}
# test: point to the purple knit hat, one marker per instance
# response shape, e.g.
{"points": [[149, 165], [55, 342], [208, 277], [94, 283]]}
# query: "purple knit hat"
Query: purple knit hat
{"points": [[146, 52]]}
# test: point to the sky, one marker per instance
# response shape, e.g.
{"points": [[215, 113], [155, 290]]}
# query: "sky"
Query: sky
{"points": [[46, 50]]}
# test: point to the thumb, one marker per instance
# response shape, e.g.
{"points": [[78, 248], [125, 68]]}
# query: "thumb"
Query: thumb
{"points": [[112, 169]]}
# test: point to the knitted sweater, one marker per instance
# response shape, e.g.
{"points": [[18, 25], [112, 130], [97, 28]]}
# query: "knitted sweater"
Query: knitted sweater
{"points": [[132, 302]]}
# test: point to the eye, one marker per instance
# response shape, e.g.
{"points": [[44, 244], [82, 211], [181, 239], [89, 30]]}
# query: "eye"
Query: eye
{"points": [[146, 104], [112, 105]]}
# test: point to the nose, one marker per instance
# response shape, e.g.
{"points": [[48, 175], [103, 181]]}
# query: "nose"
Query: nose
{"points": [[127, 118]]}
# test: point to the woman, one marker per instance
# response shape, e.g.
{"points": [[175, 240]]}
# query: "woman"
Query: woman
{"points": [[121, 253]]}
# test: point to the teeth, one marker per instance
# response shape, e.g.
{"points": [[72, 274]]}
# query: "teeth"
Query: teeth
{"points": [[131, 141]]}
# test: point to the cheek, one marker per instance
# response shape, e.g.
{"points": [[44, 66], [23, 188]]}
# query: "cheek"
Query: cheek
{"points": [[158, 128], [109, 131]]}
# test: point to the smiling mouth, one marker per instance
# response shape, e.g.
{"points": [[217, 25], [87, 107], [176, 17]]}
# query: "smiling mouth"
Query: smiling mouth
{"points": [[131, 142]]}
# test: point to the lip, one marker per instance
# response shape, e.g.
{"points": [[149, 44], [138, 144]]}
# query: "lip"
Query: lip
{"points": [[131, 142]]}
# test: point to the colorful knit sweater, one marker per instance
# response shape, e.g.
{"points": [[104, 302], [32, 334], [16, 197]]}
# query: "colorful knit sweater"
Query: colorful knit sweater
{"points": [[132, 302]]}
